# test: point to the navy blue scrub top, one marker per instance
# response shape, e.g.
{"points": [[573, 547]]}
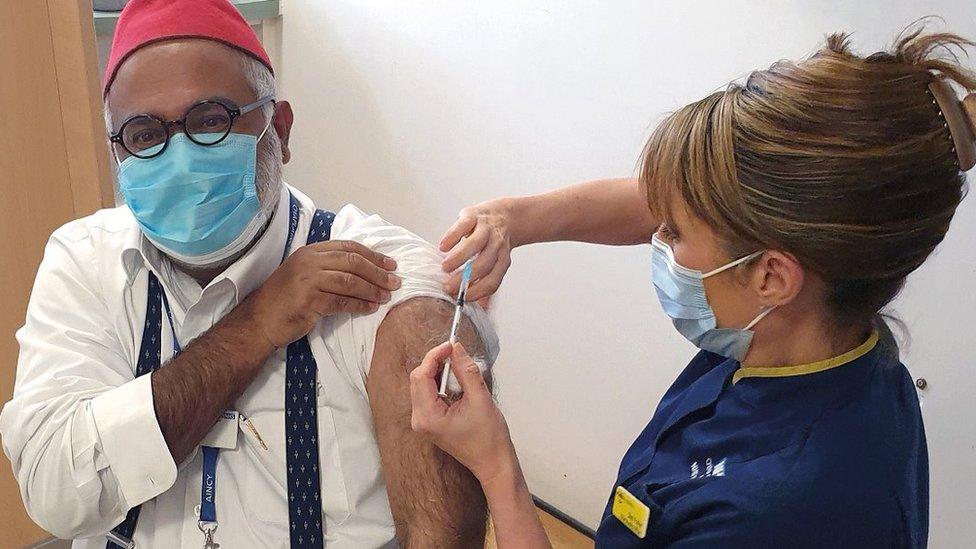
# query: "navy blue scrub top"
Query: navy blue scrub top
{"points": [[830, 454]]}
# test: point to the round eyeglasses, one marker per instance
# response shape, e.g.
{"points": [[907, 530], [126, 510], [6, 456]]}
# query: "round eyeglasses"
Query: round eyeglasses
{"points": [[205, 123]]}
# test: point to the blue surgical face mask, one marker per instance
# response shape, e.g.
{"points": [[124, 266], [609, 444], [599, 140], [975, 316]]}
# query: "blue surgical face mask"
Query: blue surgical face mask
{"points": [[197, 204], [681, 292]]}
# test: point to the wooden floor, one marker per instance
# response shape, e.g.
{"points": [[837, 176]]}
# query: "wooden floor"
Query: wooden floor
{"points": [[561, 535]]}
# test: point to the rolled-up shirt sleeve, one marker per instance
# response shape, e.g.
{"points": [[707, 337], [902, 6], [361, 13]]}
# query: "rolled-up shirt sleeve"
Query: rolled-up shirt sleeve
{"points": [[80, 432], [419, 268]]}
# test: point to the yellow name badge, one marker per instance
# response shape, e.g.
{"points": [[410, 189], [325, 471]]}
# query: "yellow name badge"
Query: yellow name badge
{"points": [[631, 511]]}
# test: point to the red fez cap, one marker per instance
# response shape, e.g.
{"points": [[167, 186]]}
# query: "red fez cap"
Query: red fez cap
{"points": [[144, 22]]}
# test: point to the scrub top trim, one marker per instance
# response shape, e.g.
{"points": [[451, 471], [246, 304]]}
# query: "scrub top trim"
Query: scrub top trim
{"points": [[812, 367]]}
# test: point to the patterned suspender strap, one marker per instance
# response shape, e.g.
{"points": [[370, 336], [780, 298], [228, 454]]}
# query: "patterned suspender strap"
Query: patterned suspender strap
{"points": [[149, 360], [301, 427]]}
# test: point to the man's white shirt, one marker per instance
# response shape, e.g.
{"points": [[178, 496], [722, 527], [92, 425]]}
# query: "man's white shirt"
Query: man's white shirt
{"points": [[82, 434]]}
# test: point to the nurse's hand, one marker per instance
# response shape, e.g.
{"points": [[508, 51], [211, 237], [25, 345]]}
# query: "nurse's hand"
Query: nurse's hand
{"points": [[482, 230], [607, 211], [471, 428]]}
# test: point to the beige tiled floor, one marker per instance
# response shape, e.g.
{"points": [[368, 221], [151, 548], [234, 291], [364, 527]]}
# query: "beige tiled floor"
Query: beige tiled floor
{"points": [[561, 535]]}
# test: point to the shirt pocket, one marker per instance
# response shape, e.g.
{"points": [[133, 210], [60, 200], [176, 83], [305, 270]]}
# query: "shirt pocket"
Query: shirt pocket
{"points": [[267, 477]]}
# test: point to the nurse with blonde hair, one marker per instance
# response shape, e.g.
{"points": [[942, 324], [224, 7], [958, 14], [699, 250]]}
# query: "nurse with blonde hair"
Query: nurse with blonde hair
{"points": [[784, 213]]}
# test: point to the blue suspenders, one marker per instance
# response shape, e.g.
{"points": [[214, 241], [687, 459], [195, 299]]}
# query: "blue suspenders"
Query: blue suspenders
{"points": [[301, 427], [149, 359], [301, 415]]}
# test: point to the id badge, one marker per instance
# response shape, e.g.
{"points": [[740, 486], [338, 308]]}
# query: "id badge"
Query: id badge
{"points": [[632, 512]]}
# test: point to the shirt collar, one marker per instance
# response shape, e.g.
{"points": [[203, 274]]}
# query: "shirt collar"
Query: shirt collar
{"points": [[247, 273], [811, 368]]}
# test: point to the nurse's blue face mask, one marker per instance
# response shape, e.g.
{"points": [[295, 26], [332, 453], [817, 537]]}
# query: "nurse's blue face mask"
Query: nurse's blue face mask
{"points": [[193, 193], [681, 292]]}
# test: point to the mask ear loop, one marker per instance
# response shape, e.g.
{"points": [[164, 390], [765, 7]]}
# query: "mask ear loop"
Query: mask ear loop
{"points": [[735, 263], [270, 122], [761, 316], [274, 111]]}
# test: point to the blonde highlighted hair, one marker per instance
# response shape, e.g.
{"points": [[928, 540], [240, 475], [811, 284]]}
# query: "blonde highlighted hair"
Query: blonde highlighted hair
{"points": [[841, 160]]}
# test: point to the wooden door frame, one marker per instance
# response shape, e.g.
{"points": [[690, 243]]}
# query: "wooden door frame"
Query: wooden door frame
{"points": [[54, 167]]}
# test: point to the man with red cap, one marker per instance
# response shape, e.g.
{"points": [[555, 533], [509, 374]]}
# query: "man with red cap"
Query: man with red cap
{"points": [[218, 352]]}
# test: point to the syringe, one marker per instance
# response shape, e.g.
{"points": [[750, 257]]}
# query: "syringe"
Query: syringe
{"points": [[465, 279]]}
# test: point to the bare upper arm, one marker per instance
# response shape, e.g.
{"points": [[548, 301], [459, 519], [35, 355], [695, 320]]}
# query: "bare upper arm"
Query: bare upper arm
{"points": [[435, 501], [417, 325]]}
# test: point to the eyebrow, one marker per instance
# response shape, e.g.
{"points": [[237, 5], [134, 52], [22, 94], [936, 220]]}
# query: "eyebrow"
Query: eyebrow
{"points": [[221, 99], [218, 98]]}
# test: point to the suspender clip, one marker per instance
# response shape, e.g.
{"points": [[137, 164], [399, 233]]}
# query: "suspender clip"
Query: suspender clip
{"points": [[120, 540]]}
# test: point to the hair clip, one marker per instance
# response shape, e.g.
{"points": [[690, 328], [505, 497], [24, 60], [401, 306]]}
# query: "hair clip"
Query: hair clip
{"points": [[960, 120]]}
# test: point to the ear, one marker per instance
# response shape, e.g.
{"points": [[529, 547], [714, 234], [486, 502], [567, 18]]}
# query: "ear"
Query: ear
{"points": [[283, 119], [779, 277]]}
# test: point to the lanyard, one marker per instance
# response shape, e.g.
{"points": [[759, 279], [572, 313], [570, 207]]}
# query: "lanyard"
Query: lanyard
{"points": [[208, 476], [208, 497]]}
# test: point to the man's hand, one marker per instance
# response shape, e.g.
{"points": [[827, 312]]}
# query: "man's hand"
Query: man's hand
{"points": [[319, 280], [214, 369]]}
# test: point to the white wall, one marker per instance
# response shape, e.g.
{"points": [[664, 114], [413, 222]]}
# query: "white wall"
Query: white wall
{"points": [[414, 110]]}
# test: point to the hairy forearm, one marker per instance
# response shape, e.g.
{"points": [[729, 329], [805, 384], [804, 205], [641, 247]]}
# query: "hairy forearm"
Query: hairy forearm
{"points": [[191, 391], [513, 513], [436, 502], [606, 211]]}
